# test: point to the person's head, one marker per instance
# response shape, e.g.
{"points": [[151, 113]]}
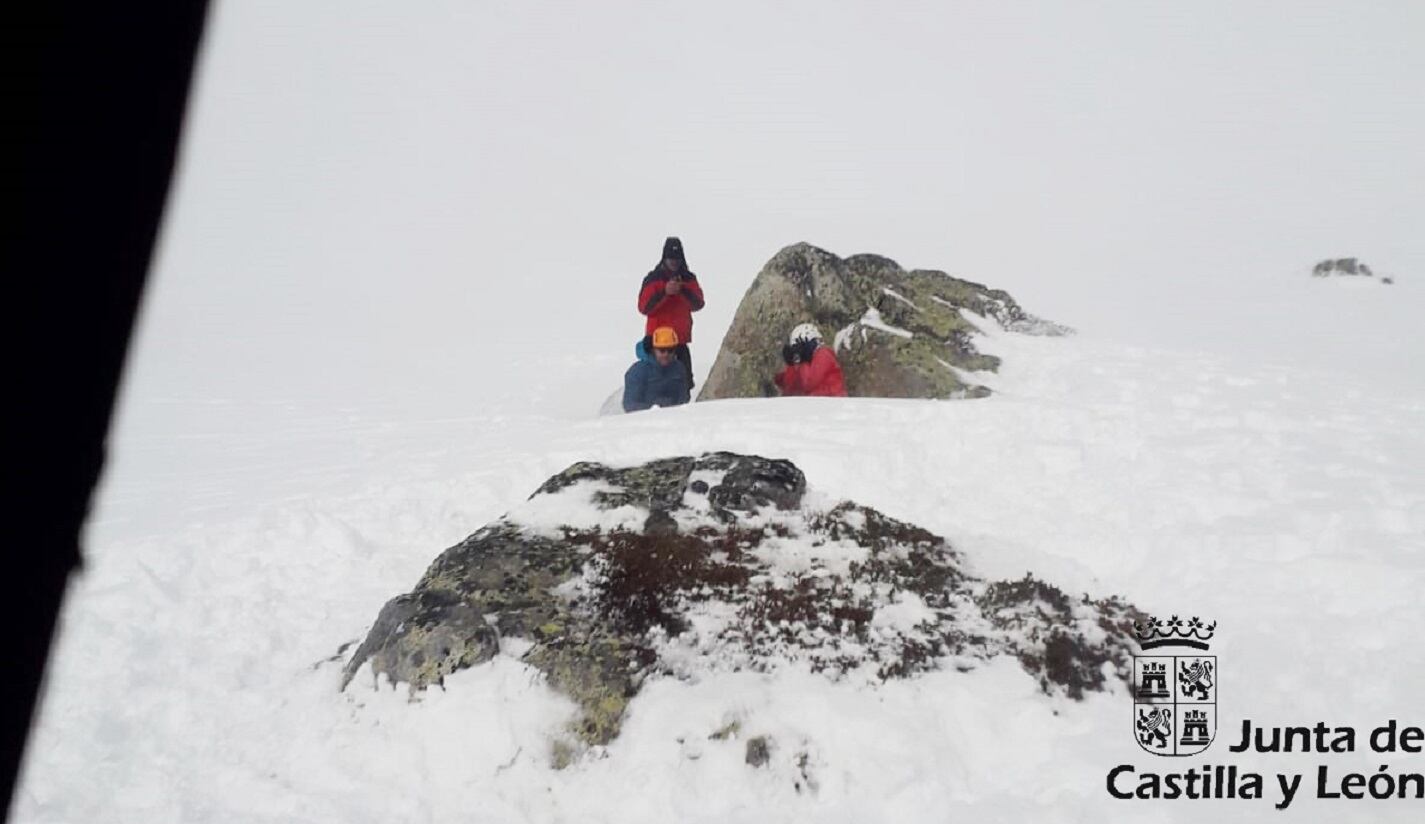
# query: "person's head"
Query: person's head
{"points": [[805, 335], [673, 259], [664, 345]]}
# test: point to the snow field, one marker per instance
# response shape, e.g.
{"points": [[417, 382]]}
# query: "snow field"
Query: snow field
{"points": [[189, 684]]}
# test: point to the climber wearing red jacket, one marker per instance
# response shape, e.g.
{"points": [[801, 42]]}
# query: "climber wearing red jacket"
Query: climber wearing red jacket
{"points": [[812, 368], [669, 296]]}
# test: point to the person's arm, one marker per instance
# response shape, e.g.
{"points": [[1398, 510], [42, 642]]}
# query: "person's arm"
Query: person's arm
{"points": [[693, 291], [818, 369], [652, 292], [634, 390], [786, 380]]}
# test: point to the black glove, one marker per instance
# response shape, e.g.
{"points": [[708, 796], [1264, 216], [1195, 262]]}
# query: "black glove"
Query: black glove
{"points": [[789, 354], [805, 350]]}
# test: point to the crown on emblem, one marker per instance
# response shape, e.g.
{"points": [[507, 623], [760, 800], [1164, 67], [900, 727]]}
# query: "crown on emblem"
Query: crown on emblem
{"points": [[1173, 632]]}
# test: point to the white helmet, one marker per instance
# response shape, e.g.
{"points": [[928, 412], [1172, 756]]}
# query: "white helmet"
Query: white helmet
{"points": [[805, 331]]}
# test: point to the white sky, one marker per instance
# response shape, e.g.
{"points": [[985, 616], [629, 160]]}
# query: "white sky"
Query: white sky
{"points": [[378, 192]]}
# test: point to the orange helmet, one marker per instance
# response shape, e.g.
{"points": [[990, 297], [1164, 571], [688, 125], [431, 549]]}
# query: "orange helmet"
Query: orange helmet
{"points": [[664, 338]]}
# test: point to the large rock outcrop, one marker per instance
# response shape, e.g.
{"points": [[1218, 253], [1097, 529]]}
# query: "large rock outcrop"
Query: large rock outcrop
{"points": [[695, 564], [897, 334]]}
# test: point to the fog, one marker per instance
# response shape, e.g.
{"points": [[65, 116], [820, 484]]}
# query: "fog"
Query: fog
{"points": [[370, 189]]}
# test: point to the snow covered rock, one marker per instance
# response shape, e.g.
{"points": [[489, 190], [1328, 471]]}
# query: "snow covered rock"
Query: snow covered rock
{"points": [[1349, 267], [897, 334], [722, 562]]}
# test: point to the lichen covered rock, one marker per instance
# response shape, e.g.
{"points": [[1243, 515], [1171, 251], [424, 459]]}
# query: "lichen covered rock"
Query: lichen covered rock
{"points": [[718, 562], [897, 334]]}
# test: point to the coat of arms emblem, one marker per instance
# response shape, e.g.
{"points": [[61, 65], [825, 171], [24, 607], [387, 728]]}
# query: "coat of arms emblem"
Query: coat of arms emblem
{"points": [[1174, 687]]}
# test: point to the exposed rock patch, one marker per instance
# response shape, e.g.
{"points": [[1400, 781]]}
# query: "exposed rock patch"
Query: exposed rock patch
{"points": [[1345, 267], [689, 565], [897, 333], [758, 751]]}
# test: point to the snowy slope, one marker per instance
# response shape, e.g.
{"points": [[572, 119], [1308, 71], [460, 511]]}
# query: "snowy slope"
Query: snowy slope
{"points": [[1286, 503]]}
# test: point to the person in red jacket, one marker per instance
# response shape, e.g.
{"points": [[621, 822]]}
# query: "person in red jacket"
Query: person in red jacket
{"points": [[812, 368], [669, 296]]}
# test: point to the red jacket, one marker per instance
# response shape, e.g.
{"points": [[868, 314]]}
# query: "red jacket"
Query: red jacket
{"points": [[820, 376], [664, 309]]}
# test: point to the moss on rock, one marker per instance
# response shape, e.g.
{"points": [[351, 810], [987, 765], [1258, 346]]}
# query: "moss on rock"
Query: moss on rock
{"points": [[597, 607], [802, 283]]}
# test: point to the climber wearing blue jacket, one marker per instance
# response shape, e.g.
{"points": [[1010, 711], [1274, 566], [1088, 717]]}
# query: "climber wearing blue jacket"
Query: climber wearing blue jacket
{"points": [[659, 381]]}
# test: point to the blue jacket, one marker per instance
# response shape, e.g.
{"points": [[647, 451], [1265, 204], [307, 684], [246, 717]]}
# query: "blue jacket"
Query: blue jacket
{"points": [[647, 384]]}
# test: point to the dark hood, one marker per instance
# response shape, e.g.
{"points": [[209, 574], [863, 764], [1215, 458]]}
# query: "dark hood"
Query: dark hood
{"points": [[673, 248]]}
